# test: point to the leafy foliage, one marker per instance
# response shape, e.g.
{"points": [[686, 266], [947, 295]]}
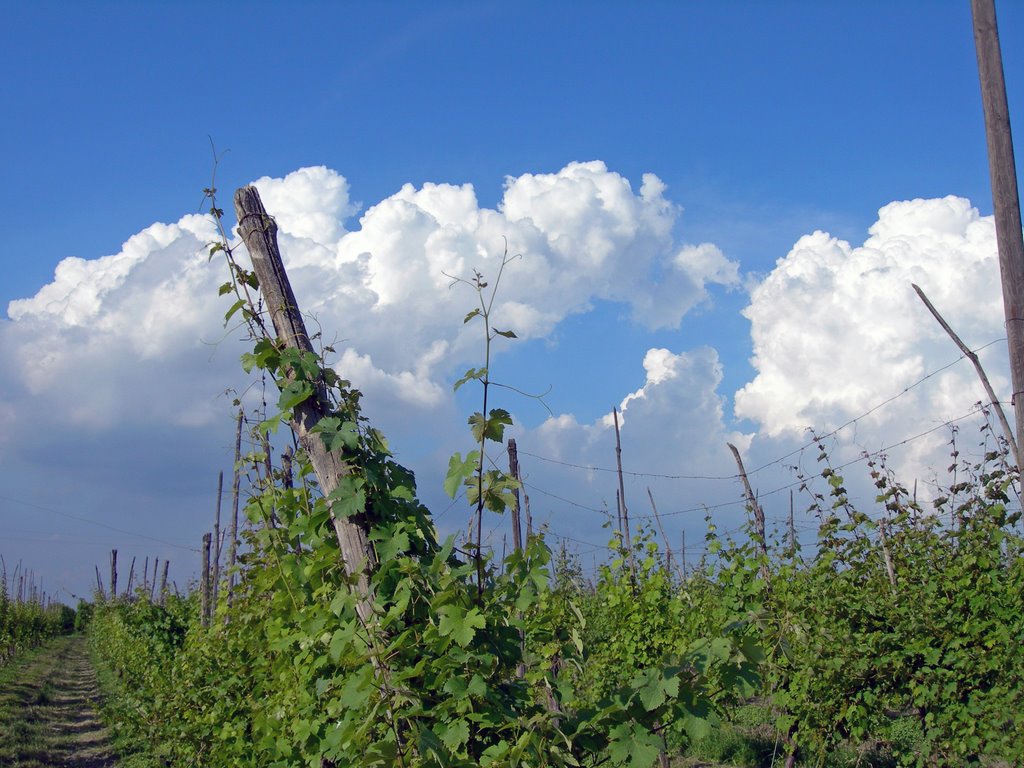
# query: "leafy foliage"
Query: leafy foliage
{"points": [[25, 624]]}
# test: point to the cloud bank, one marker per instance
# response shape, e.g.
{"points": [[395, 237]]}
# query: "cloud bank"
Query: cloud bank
{"points": [[837, 329]]}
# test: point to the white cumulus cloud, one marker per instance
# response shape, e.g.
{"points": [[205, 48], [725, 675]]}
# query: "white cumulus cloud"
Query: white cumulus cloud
{"points": [[837, 328]]}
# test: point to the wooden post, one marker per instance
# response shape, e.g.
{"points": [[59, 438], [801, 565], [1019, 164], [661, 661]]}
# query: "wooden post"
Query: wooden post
{"points": [[792, 528], [99, 585], [131, 578], [661, 528], [113, 574], [288, 480], [682, 553], [970, 355], [152, 586], [259, 231], [233, 547], [216, 537], [1005, 200], [145, 575], [268, 467], [755, 508], [204, 583], [163, 582], [529, 517], [622, 493], [513, 470]]}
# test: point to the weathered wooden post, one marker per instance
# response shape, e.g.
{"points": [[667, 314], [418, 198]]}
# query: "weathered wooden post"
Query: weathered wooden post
{"points": [[163, 582], [622, 494], [236, 481], [216, 537], [259, 232], [758, 512], [131, 578], [513, 470], [971, 355], [204, 584], [682, 553], [1005, 199], [99, 585], [113, 574], [661, 528]]}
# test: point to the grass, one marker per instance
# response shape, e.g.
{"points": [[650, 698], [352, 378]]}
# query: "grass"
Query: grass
{"points": [[750, 740], [48, 715]]}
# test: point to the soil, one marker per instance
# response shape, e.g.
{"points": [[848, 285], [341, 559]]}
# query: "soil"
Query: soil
{"points": [[49, 710]]}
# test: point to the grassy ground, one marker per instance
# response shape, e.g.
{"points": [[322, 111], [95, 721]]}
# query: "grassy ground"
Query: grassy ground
{"points": [[48, 710]]}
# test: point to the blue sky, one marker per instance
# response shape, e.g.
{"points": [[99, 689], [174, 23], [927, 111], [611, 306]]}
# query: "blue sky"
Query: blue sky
{"points": [[765, 122]]}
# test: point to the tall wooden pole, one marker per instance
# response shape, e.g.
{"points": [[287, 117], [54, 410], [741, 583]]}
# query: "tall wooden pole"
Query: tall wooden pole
{"points": [[756, 510], [152, 587], [259, 231], [236, 480], [163, 582], [622, 495], [668, 544], [216, 538], [1005, 200], [513, 469], [792, 528], [131, 578], [682, 554], [113, 574], [204, 584]]}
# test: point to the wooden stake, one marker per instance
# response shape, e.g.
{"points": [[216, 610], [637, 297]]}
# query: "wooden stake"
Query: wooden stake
{"points": [[204, 583], [661, 528], [216, 537], [970, 355], [1005, 200], [233, 547], [113, 574], [163, 583], [259, 231], [131, 578], [99, 585], [755, 508], [622, 493], [513, 470], [792, 527], [682, 553]]}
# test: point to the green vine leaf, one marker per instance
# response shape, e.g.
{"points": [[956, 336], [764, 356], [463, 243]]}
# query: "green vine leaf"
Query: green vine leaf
{"points": [[491, 428], [459, 624], [458, 470], [473, 374], [293, 393]]}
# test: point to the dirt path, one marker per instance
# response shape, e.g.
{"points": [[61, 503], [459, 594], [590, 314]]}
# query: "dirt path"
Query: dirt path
{"points": [[48, 711]]}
